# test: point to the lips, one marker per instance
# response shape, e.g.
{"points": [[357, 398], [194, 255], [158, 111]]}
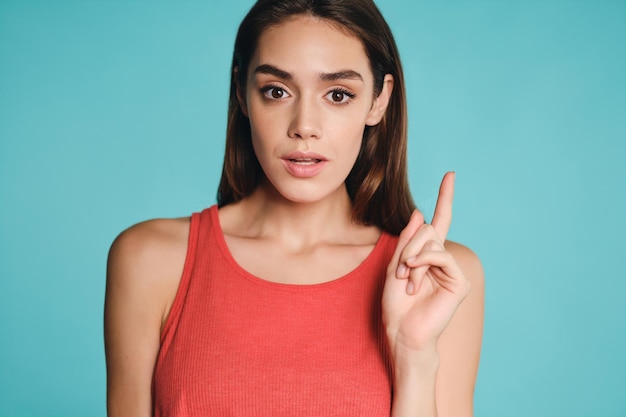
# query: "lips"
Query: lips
{"points": [[300, 156], [304, 164]]}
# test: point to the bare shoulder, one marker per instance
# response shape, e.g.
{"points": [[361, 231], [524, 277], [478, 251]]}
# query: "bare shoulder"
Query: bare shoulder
{"points": [[143, 273], [149, 257], [152, 237]]}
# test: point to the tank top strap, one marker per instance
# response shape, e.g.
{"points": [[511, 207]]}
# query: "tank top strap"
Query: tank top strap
{"points": [[200, 225]]}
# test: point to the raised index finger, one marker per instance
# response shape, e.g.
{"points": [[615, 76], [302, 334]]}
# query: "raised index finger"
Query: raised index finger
{"points": [[443, 209]]}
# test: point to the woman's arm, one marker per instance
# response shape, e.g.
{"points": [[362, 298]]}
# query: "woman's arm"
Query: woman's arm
{"points": [[440, 382], [414, 383], [144, 268], [459, 345], [433, 312]]}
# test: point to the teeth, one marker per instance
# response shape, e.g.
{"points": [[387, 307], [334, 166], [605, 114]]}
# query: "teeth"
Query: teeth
{"points": [[305, 161]]}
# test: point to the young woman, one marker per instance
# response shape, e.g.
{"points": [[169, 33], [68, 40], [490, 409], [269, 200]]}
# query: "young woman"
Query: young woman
{"points": [[315, 288]]}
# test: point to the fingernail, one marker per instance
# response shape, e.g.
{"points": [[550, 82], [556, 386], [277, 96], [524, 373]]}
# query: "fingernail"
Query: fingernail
{"points": [[410, 260], [402, 270], [410, 288]]}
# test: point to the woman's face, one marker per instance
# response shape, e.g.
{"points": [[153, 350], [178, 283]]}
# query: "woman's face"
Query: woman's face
{"points": [[309, 96]]}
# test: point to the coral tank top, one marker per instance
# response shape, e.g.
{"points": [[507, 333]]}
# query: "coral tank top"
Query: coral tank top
{"points": [[237, 345]]}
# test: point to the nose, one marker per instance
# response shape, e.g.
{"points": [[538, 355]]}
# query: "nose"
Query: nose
{"points": [[305, 120]]}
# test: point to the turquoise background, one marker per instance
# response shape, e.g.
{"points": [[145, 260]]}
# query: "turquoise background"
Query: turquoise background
{"points": [[112, 112]]}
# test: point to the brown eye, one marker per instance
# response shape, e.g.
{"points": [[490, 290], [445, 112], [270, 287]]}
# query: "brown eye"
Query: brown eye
{"points": [[274, 92], [337, 96], [340, 96], [277, 93]]}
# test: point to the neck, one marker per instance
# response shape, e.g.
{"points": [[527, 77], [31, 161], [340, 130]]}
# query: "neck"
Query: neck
{"points": [[267, 215]]}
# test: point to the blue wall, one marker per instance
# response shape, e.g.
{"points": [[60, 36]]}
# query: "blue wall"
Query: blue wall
{"points": [[113, 112]]}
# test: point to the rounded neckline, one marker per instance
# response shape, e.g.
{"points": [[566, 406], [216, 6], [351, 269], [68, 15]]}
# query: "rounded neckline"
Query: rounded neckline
{"points": [[228, 256]]}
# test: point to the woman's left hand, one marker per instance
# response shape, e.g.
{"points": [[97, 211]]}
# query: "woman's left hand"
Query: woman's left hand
{"points": [[424, 284]]}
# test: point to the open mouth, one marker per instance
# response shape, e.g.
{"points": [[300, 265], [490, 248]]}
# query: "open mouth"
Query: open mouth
{"points": [[305, 161], [304, 166]]}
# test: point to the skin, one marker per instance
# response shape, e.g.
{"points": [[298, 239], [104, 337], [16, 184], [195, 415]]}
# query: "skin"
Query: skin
{"points": [[433, 296]]}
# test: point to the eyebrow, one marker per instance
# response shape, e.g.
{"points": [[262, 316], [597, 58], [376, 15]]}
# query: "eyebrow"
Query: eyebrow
{"points": [[325, 76], [272, 70]]}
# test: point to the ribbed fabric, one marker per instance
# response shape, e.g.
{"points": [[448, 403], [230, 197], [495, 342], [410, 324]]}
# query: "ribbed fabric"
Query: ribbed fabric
{"points": [[237, 345]]}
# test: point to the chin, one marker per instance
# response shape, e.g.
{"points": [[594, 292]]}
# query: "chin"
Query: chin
{"points": [[309, 194], [300, 198]]}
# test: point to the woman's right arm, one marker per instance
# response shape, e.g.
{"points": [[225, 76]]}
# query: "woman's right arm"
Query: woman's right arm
{"points": [[143, 272]]}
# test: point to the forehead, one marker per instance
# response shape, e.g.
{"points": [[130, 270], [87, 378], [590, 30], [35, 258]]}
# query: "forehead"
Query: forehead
{"points": [[305, 44]]}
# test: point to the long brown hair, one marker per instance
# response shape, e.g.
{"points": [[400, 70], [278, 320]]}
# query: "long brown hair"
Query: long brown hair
{"points": [[377, 184]]}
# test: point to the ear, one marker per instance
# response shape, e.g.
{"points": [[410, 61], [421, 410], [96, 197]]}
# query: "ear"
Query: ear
{"points": [[379, 107], [239, 91]]}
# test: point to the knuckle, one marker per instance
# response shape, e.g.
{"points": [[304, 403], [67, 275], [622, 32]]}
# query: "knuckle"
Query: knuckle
{"points": [[432, 245], [431, 231], [408, 251]]}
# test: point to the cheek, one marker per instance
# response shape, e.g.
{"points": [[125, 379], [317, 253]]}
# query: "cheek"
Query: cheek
{"points": [[263, 127], [261, 148], [266, 123], [350, 132], [349, 147]]}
